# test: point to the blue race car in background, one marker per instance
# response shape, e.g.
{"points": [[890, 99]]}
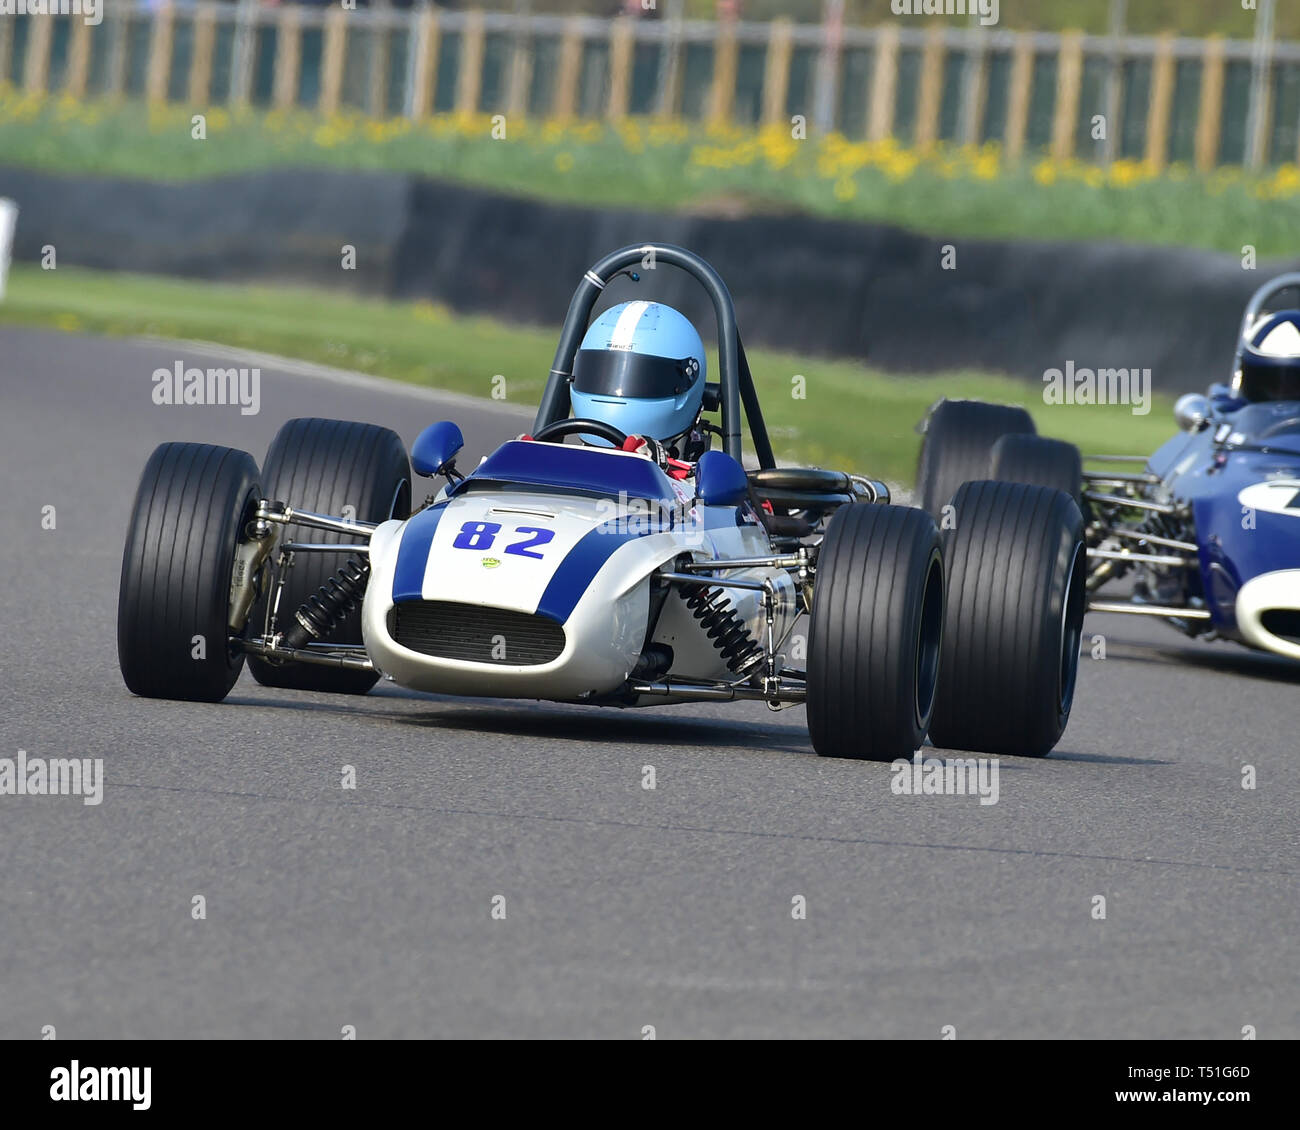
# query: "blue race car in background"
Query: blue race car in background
{"points": [[1208, 529]]}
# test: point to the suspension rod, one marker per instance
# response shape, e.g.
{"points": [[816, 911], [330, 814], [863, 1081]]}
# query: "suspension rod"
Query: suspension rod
{"points": [[1155, 539], [1131, 503], [722, 582], [273, 511], [1148, 610], [333, 657], [785, 692], [324, 547], [1141, 558]]}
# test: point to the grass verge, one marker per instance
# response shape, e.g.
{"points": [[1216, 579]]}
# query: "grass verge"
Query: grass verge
{"points": [[850, 416], [676, 166]]}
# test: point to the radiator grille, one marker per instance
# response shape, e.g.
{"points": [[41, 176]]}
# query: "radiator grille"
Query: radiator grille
{"points": [[449, 630]]}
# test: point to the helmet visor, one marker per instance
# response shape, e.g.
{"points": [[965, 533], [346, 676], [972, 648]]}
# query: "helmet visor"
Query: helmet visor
{"points": [[1273, 379], [636, 376]]}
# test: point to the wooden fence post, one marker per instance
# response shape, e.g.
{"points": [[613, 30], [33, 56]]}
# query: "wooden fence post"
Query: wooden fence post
{"points": [[425, 75], [620, 66], [159, 72], [6, 47], [1209, 118], [975, 85], [1162, 101], [469, 74], [884, 84], [205, 38], [332, 55], [78, 73], [288, 55], [930, 94], [776, 70], [36, 61], [726, 51], [566, 81], [1020, 84], [1069, 80]]}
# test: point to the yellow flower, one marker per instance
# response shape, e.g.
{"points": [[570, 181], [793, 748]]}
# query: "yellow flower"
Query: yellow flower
{"points": [[563, 162], [845, 189]]}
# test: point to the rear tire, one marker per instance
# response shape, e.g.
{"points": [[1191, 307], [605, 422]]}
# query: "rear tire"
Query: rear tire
{"points": [[174, 599], [1041, 461], [958, 447], [325, 466], [877, 621], [1015, 602]]}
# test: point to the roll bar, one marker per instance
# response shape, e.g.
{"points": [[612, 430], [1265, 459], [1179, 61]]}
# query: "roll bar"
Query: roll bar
{"points": [[736, 381], [1256, 306]]}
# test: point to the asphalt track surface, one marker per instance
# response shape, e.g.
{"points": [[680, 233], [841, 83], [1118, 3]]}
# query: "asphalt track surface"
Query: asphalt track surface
{"points": [[624, 907]]}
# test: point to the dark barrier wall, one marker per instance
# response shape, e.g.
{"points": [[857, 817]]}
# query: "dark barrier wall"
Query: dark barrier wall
{"points": [[808, 285]]}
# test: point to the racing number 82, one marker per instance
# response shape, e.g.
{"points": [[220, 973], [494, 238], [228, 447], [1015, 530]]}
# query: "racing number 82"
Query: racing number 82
{"points": [[481, 535]]}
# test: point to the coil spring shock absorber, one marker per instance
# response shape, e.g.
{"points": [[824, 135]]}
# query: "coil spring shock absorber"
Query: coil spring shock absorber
{"points": [[324, 610], [728, 633]]}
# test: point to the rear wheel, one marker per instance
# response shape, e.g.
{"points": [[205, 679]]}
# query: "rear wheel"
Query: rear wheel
{"points": [[1041, 461], [1016, 594], [877, 620], [958, 447], [173, 603], [339, 468]]}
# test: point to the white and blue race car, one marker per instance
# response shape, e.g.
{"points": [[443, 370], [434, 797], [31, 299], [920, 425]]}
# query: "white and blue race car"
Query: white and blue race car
{"points": [[600, 572]]}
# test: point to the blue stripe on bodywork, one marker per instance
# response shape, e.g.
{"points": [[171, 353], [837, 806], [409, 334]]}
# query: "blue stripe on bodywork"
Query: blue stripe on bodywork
{"points": [[579, 569], [581, 470], [413, 554]]}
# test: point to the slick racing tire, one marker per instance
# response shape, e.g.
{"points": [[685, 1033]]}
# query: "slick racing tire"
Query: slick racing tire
{"points": [[1041, 461], [958, 446], [174, 600], [1015, 601], [874, 641], [338, 468]]}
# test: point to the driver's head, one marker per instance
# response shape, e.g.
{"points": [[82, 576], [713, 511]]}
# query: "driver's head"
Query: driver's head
{"points": [[640, 368], [1270, 359]]}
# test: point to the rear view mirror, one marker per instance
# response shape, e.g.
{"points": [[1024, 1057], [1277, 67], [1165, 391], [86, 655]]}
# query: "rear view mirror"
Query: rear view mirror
{"points": [[1192, 412], [435, 448]]}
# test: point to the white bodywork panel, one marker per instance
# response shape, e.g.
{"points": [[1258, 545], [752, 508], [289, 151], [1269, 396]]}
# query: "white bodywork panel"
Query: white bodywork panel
{"points": [[607, 583]]}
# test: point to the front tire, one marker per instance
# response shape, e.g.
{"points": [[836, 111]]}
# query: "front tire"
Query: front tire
{"points": [[1041, 461], [958, 446], [877, 621], [174, 599], [1017, 568], [328, 467]]}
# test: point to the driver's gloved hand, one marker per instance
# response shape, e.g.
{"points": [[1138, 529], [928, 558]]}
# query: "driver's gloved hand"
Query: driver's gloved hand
{"points": [[650, 447]]}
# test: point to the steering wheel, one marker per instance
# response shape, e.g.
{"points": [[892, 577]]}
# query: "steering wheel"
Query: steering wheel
{"points": [[562, 428]]}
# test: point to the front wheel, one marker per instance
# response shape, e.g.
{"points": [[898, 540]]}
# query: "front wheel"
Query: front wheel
{"points": [[1017, 570], [173, 606], [958, 444], [329, 467], [877, 623]]}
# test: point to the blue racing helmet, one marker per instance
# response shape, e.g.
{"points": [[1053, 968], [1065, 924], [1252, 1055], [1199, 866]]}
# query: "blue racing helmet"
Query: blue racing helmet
{"points": [[640, 368], [1270, 359]]}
